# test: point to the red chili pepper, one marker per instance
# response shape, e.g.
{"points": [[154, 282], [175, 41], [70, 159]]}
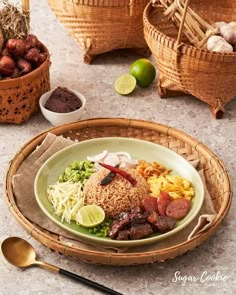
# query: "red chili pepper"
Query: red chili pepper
{"points": [[123, 173]]}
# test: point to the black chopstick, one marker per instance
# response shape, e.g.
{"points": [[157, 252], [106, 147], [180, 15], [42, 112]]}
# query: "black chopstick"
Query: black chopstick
{"points": [[88, 282]]}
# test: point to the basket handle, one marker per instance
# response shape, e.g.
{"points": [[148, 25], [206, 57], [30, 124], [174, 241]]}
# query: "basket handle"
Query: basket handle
{"points": [[26, 9], [180, 33], [131, 7]]}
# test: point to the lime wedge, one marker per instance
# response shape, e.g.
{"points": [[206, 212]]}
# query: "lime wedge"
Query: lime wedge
{"points": [[90, 215], [125, 84]]}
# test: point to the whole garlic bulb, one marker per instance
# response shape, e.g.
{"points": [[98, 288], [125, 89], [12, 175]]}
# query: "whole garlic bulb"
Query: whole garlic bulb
{"points": [[218, 25], [233, 25], [219, 44], [228, 32]]}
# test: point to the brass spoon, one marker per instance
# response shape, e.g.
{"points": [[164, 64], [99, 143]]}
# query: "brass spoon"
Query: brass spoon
{"points": [[20, 253]]}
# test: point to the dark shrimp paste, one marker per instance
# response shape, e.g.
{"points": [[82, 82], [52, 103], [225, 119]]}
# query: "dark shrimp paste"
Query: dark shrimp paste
{"points": [[62, 100]]}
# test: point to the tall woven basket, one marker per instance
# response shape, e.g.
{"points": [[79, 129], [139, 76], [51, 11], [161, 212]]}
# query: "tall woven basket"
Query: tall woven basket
{"points": [[101, 26], [19, 97], [209, 76]]}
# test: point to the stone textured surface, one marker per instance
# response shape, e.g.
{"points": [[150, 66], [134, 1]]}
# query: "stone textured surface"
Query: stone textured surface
{"points": [[217, 256]]}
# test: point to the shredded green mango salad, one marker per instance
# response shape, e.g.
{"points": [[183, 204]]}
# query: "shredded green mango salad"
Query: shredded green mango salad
{"points": [[67, 195]]}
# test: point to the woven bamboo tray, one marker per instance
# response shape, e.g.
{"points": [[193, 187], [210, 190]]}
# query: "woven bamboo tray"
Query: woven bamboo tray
{"points": [[209, 76], [217, 180], [100, 26], [19, 97]]}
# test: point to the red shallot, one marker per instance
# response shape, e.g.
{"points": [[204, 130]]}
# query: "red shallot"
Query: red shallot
{"points": [[42, 58], [6, 52], [7, 65], [16, 73], [24, 66], [32, 55], [32, 41], [111, 159], [16, 47], [98, 157]]}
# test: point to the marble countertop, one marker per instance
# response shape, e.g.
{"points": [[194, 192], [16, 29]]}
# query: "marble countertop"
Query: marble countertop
{"points": [[215, 257]]}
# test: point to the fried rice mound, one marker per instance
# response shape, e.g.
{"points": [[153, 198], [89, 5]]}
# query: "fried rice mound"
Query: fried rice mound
{"points": [[119, 195]]}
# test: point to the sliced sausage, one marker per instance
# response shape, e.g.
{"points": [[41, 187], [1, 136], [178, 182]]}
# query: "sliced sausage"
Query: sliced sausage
{"points": [[162, 203], [150, 204], [178, 208]]}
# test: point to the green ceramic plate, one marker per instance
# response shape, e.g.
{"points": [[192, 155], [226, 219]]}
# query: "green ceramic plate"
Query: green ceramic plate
{"points": [[139, 149]]}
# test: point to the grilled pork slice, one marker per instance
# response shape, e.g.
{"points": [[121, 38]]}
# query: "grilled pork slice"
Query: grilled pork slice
{"points": [[118, 225], [123, 235], [164, 223], [139, 231]]}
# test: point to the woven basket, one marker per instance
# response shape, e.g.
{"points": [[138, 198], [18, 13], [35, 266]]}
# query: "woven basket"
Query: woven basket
{"points": [[183, 68], [19, 97], [100, 26], [217, 180]]}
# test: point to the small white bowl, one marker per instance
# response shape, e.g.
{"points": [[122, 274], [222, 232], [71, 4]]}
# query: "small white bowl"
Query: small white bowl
{"points": [[61, 118]]}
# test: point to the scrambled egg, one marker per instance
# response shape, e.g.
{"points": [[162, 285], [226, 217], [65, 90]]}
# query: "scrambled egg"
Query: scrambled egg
{"points": [[176, 186]]}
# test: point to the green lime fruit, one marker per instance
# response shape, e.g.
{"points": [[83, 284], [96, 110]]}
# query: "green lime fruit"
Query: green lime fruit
{"points": [[90, 215], [144, 72], [125, 84]]}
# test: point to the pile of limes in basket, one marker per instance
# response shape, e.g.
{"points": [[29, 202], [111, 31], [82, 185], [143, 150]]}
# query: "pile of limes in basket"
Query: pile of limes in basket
{"points": [[141, 73]]}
